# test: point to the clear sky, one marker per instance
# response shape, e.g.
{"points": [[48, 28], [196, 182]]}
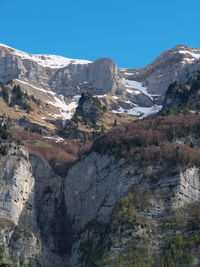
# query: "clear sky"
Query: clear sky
{"points": [[132, 33]]}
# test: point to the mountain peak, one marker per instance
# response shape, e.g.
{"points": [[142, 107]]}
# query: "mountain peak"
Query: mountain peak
{"points": [[181, 46]]}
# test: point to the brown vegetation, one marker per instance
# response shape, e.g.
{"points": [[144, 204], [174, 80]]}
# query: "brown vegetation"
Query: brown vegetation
{"points": [[151, 140], [59, 155]]}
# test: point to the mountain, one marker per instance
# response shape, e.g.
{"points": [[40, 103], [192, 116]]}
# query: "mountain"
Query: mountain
{"points": [[99, 166], [178, 63], [60, 81]]}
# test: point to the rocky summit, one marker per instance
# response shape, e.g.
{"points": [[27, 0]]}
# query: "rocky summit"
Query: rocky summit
{"points": [[99, 166]]}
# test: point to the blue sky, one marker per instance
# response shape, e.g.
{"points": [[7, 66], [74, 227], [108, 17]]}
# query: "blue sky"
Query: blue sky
{"points": [[132, 33]]}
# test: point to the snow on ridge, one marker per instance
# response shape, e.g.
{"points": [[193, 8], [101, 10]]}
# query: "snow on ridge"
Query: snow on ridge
{"points": [[50, 61], [6, 46]]}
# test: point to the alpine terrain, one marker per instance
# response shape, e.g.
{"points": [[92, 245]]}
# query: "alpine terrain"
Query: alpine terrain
{"points": [[99, 166]]}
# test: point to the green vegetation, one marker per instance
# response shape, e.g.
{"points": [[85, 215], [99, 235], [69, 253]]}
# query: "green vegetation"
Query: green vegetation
{"points": [[179, 250], [85, 97], [115, 123], [3, 150], [87, 113], [4, 131], [38, 143], [179, 90], [33, 129], [28, 265], [36, 129], [127, 213], [2, 255], [72, 131], [182, 97], [2, 250], [4, 258], [5, 94], [169, 241], [4, 135], [177, 234], [37, 101], [127, 209], [15, 96], [6, 223], [20, 98], [89, 110], [94, 243]]}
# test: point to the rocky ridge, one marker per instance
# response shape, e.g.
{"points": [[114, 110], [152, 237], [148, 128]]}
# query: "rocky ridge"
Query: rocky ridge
{"points": [[60, 81]]}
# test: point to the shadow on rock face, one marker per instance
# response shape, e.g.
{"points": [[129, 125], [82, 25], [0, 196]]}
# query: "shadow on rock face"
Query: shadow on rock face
{"points": [[53, 223]]}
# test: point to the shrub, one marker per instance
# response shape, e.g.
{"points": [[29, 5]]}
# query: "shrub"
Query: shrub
{"points": [[152, 140], [3, 150], [28, 265], [5, 94]]}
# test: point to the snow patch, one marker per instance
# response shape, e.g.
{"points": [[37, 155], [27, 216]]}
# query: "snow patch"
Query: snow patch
{"points": [[57, 139], [76, 96], [37, 88], [194, 55], [128, 73], [135, 92], [142, 112], [100, 96], [66, 110]]}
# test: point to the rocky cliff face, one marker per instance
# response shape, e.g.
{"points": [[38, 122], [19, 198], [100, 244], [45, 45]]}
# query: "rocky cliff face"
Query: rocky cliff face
{"points": [[106, 182], [69, 79], [17, 187], [33, 213]]}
